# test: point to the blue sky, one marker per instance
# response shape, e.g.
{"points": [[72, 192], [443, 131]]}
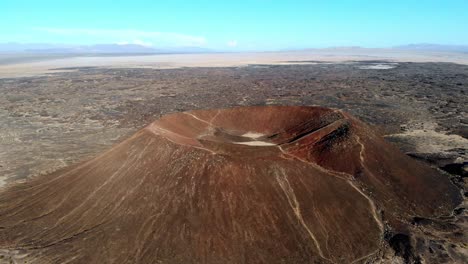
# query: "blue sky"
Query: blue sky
{"points": [[241, 24]]}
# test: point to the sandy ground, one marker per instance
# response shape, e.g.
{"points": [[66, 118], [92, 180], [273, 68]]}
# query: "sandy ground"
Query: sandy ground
{"points": [[434, 140], [22, 67]]}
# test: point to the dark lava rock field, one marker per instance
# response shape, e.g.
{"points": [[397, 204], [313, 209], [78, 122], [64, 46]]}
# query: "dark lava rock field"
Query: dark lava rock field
{"points": [[49, 122]]}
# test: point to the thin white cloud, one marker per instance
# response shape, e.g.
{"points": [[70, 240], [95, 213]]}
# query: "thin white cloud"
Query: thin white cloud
{"points": [[130, 36], [142, 43], [232, 43], [136, 42]]}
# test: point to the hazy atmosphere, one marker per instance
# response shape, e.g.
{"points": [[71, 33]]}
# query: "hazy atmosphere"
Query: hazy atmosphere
{"points": [[234, 132], [244, 25]]}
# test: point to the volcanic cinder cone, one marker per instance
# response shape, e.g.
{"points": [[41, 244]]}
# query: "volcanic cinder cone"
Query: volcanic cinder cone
{"points": [[242, 185]]}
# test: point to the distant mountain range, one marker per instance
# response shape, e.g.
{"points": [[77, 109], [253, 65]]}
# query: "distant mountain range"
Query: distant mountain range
{"points": [[44, 48], [434, 47], [99, 48]]}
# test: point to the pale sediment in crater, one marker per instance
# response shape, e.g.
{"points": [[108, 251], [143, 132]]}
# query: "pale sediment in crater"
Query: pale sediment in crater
{"points": [[270, 184]]}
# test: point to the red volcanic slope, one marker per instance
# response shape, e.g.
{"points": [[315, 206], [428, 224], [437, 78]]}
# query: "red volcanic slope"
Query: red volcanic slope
{"points": [[243, 185]]}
